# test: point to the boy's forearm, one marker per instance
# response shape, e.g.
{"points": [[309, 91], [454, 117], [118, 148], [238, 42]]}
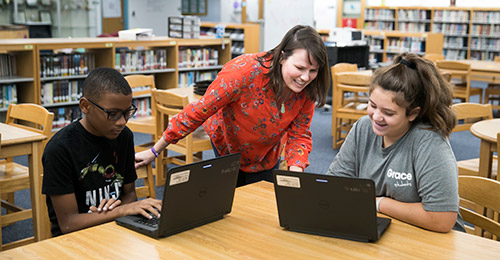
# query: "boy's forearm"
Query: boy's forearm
{"points": [[85, 220]]}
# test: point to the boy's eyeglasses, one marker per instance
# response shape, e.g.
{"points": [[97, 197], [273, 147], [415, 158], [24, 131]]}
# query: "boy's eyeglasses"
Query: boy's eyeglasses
{"points": [[115, 115]]}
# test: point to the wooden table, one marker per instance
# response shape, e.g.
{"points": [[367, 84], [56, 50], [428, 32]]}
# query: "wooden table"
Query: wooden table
{"points": [[483, 70], [252, 231], [16, 142], [188, 91], [487, 131]]}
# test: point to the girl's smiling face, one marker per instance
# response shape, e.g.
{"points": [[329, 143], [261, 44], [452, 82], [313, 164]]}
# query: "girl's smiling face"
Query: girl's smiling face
{"points": [[389, 119]]}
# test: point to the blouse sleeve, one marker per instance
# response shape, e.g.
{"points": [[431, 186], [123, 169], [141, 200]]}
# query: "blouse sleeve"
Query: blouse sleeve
{"points": [[299, 143]]}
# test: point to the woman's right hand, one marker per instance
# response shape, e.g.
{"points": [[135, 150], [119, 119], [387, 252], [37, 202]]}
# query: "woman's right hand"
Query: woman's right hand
{"points": [[143, 158]]}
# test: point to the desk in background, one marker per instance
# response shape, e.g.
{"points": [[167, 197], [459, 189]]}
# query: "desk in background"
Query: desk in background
{"points": [[482, 70], [16, 142], [487, 131], [252, 231]]}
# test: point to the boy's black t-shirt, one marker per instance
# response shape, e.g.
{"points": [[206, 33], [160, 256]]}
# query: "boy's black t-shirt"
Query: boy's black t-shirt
{"points": [[92, 167]]}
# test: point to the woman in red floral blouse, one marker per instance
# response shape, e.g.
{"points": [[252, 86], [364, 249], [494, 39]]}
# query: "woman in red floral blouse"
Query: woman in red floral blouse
{"points": [[255, 100]]}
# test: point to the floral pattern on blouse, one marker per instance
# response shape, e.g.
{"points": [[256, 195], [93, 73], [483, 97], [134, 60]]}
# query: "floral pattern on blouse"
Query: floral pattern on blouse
{"points": [[241, 115]]}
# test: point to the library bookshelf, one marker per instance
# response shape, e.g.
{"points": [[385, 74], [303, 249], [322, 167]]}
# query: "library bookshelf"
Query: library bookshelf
{"points": [[385, 45], [57, 86], [18, 73], [469, 33], [245, 37]]}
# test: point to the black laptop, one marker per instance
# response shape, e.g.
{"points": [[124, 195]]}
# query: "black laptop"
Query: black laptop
{"points": [[195, 194], [328, 205]]}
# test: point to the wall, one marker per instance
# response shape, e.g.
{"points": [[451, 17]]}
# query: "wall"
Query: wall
{"points": [[277, 22], [325, 14], [152, 14]]}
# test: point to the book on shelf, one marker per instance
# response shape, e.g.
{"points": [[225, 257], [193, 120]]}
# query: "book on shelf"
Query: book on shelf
{"points": [[143, 107], [187, 79], [8, 95], [61, 91], [140, 60], [62, 64], [198, 57], [63, 116], [7, 65]]}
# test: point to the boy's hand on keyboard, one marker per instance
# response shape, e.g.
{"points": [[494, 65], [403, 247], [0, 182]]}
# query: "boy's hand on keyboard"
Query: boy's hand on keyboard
{"points": [[105, 205], [143, 207]]}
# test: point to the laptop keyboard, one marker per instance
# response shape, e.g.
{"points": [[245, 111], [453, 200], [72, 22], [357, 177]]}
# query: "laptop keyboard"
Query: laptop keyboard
{"points": [[153, 222]]}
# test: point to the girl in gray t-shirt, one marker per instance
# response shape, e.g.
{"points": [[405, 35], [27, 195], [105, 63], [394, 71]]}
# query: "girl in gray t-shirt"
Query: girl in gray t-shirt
{"points": [[402, 145]]}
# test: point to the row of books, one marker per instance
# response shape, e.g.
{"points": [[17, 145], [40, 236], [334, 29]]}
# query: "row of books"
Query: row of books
{"points": [[63, 116], [451, 16], [485, 44], [7, 65], [455, 29], [61, 91], [486, 17], [454, 54], [413, 27], [406, 44], [62, 64], [455, 42], [414, 14], [485, 30], [376, 44], [140, 60], [198, 57], [377, 25], [187, 79], [371, 14], [8, 95], [143, 107], [481, 55]]}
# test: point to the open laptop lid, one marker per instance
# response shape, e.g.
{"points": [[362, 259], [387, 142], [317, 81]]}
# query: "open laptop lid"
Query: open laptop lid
{"points": [[327, 205], [198, 193]]}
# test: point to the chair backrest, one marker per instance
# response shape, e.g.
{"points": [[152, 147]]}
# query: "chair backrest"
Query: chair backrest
{"points": [[434, 56], [31, 117], [148, 190], [469, 113], [484, 192], [456, 69], [342, 67], [142, 85], [497, 59], [167, 104]]}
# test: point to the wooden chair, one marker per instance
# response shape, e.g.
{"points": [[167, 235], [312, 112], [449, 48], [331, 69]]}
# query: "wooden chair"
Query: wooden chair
{"points": [[492, 92], [15, 177], [337, 68], [476, 194], [168, 104], [468, 114], [148, 189], [433, 56], [461, 74], [348, 102], [141, 87]]}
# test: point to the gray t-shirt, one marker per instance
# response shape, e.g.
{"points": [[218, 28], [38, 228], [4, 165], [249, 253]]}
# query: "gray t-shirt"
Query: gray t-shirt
{"points": [[419, 167]]}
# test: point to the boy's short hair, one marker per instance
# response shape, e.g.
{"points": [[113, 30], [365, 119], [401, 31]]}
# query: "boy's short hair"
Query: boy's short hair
{"points": [[103, 80]]}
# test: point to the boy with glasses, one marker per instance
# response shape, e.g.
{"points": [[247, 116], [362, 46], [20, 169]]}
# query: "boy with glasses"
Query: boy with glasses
{"points": [[89, 165]]}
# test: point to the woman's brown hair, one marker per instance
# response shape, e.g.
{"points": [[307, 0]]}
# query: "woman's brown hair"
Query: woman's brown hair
{"points": [[299, 37], [418, 83]]}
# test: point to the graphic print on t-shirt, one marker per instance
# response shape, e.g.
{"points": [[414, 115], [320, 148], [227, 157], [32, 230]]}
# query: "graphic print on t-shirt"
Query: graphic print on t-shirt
{"points": [[99, 181], [400, 179]]}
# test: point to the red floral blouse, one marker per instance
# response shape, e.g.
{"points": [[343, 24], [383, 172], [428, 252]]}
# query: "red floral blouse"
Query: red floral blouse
{"points": [[241, 115]]}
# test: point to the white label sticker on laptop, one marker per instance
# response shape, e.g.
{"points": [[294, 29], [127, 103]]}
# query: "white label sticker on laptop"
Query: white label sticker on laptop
{"points": [[179, 177], [288, 181]]}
